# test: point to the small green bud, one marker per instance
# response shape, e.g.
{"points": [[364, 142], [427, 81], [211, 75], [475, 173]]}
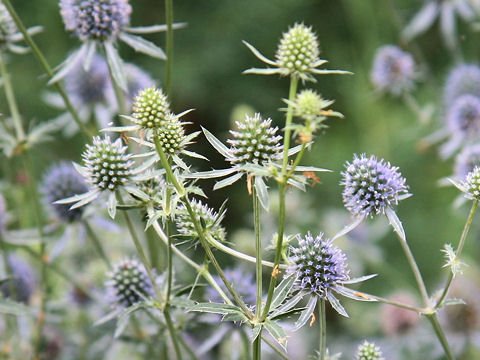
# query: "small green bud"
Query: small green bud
{"points": [[368, 351], [151, 108]]}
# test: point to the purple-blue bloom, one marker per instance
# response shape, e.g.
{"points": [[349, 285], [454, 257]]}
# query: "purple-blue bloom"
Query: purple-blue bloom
{"points": [[22, 282], [61, 181], [462, 80], [318, 265], [463, 117], [95, 19], [393, 70], [370, 185]]}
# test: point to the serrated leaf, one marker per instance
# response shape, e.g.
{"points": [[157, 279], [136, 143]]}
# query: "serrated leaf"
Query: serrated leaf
{"points": [[115, 64], [277, 332], [182, 301], [144, 46], [282, 290], [395, 222], [286, 306], [235, 317], [307, 313], [256, 331], [215, 308]]}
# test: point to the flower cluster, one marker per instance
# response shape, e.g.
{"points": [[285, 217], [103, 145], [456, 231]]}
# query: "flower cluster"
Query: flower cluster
{"points": [[371, 186], [472, 183], [368, 351], [129, 282]]}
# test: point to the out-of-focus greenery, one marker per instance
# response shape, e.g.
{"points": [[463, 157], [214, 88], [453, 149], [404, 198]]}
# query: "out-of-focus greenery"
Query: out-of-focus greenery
{"points": [[208, 60]]}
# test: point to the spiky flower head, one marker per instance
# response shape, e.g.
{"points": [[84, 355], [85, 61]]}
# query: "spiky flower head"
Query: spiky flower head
{"points": [[7, 25], [90, 87], [368, 351], [467, 160], [21, 285], [463, 117], [298, 51], [371, 186], [107, 166], [472, 183], [393, 70], [95, 19], [208, 218], [309, 104], [318, 264], [462, 80], [255, 141], [129, 282], [151, 109], [3, 214], [61, 181], [243, 282]]}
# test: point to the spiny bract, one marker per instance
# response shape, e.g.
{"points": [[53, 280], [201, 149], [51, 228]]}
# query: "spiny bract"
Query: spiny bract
{"points": [[368, 351], [318, 264], [130, 283], [255, 141], [63, 181], [95, 19], [107, 164], [298, 51], [370, 185]]}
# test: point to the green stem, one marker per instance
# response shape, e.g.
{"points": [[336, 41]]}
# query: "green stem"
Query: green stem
{"points": [[297, 160], [257, 344], [42, 60], [461, 244], [188, 349], [440, 335], [12, 103], [97, 244], [274, 348], [153, 249], [322, 349], [198, 228], [395, 303], [172, 331], [281, 197], [169, 35]]}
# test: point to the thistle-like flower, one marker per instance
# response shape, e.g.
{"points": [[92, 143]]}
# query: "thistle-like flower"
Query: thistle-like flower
{"points": [[464, 79], [107, 168], [9, 33], [320, 269], [368, 351], [63, 181], [209, 220], [463, 118], [297, 56], [371, 186], [21, 286], [393, 70], [129, 283]]}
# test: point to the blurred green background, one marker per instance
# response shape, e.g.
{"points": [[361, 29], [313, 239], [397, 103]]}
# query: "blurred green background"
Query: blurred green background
{"points": [[208, 61]]}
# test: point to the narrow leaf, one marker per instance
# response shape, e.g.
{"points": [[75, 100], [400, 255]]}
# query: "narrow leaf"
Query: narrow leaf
{"points": [[144, 46], [262, 192], [307, 313], [115, 64], [395, 222], [258, 54], [349, 228], [277, 332], [153, 28], [336, 304], [217, 144], [282, 290], [228, 181]]}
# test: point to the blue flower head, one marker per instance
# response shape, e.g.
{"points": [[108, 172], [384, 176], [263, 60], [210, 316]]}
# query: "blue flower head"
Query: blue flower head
{"points": [[393, 70], [462, 80], [22, 283], [463, 117], [318, 265], [61, 181], [370, 185]]}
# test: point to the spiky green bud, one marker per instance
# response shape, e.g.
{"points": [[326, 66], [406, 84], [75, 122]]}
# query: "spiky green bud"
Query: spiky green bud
{"points": [[150, 108]]}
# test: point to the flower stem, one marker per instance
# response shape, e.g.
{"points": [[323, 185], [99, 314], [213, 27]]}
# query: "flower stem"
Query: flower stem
{"points": [[48, 70], [463, 238], [198, 228], [169, 35], [257, 344], [440, 335], [97, 244], [322, 349], [281, 196]]}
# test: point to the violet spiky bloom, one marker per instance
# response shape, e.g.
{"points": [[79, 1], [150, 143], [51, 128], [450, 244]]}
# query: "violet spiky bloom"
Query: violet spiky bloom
{"points": [[241, 280], [318, 264], [129, 282], [467, 160], [462, 80], [255, 141], [90, 87], [393, 70], [463, 117], [95, 19], [371, 186], [369, 351], [22, 280], [59, 182], [107, 165]]}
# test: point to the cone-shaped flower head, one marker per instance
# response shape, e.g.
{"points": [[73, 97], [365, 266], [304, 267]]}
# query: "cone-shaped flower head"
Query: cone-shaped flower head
{"points": [[255, 141], [370, 185], [462, 80], [95, 19], [3, 214], [62, 181], [318, 265], [208, 218], [106, 163], [463, 117], [393, 70], [151, 108], [7, 25], [243, 282], [467, 160], [298, 51], [90, 87], [368, 351], [130, 283], [472, 183], [22, 282]]}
